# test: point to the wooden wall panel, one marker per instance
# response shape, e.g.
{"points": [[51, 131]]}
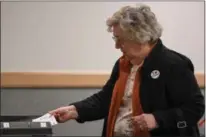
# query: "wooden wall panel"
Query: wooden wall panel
{"points": [[60, 80]]}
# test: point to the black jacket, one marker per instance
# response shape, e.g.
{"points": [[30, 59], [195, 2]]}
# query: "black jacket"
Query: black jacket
{"points": [[175, 89]]}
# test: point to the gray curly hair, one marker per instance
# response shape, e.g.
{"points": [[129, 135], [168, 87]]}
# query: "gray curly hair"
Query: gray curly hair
{"points": [[138, 23]]}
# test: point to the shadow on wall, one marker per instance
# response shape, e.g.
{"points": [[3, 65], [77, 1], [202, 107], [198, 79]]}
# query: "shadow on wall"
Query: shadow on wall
{"points": [[202, 121]]}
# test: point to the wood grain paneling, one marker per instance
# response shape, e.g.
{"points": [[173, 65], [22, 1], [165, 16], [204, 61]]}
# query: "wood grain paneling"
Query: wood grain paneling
{"points": [[60, 80]]}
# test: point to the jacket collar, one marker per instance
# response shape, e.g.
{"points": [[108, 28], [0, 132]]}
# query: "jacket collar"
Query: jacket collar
{"points": [[154, 55]]}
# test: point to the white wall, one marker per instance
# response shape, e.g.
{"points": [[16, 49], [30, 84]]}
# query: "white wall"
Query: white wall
{"points": [[72, 36]]}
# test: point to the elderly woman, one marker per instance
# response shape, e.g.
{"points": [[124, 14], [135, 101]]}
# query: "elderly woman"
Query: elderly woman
{"points": [[152, 90]]}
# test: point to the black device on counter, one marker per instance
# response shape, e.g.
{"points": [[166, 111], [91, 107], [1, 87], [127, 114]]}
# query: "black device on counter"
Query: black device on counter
{"points": [[23, 126]]}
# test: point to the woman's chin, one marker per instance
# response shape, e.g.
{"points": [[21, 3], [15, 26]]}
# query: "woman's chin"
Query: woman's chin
{"points": [[135, 62]]}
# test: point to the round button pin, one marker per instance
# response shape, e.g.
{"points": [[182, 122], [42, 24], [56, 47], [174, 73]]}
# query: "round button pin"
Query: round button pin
{"points": [[155, 74]]}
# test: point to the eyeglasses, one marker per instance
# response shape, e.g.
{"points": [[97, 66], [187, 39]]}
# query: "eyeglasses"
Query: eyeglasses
{"points": [[122, 39], [117, 39]]}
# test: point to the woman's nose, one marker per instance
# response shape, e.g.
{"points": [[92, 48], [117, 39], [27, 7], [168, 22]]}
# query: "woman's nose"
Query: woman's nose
{"points": [[119, 45]]}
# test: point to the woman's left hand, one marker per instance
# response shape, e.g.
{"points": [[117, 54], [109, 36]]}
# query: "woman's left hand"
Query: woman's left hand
{"points": [[145, 121]]}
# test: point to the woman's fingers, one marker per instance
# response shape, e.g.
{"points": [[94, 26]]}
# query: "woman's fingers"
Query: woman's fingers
{"points": [[65, 113], [140, 122]]}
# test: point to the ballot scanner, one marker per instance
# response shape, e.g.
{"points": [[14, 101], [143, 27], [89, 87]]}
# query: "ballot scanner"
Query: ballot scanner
{"points": [[23, 126]]}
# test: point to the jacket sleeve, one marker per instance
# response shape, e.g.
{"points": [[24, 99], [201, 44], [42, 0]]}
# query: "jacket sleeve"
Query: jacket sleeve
{"points": [[96, 106], [184, 93]]}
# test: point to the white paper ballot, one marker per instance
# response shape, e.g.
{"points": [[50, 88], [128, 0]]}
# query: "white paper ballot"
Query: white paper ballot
{"points": [[46, 118]]}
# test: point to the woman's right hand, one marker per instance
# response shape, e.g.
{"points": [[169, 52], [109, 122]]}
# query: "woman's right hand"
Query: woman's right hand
{"points": [[65, 113]]}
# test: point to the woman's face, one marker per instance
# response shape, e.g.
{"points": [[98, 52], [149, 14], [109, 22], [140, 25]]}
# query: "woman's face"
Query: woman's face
{"points": [[133, 51]]}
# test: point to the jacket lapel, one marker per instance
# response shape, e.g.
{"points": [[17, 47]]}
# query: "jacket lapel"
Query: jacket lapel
{"points": [[150, 75]]}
